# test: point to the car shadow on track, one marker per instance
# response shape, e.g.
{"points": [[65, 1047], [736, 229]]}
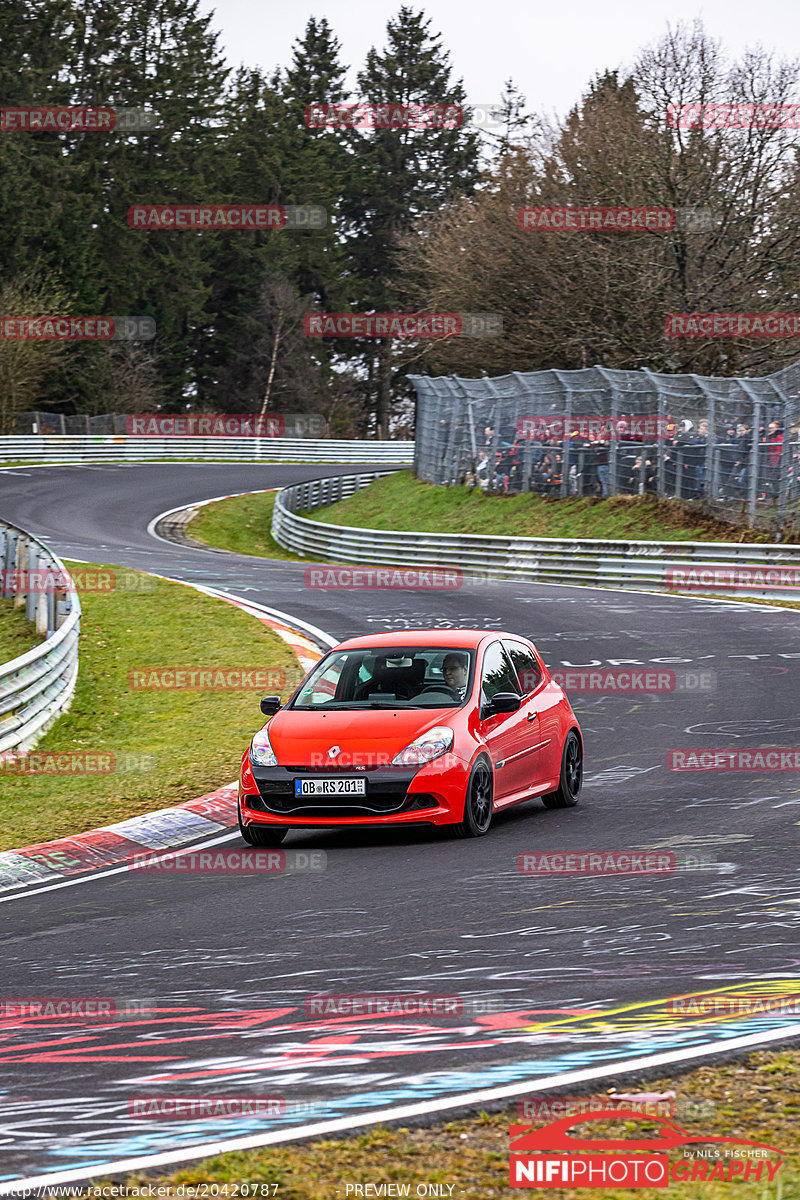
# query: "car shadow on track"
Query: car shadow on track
{"points": [[515, 821]]}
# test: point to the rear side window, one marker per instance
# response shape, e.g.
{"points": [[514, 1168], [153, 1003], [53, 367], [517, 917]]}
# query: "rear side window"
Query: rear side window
{"points": [[526, 666]]}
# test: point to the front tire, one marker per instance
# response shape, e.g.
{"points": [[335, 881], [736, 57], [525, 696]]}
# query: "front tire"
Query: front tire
{"points": [[571, 775], [478, 804], [261, 835]]}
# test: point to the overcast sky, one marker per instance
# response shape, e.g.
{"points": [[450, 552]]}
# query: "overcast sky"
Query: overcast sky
{"points": [[551, 48]]}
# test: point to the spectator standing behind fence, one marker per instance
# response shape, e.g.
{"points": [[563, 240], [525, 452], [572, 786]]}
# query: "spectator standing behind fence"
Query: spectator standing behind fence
{"points": [[601, 463], [774, 445], [741, 468], [727, 462], [694, 444]]}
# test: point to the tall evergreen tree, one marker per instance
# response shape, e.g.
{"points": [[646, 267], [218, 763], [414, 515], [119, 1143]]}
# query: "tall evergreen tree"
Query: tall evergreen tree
{"points": [[402, 174]]}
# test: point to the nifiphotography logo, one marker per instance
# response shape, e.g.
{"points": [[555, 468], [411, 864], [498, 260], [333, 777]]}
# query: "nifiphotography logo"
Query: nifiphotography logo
{"points": [[631, 1162]]}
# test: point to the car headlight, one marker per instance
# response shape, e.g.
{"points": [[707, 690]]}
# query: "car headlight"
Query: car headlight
{"points": [[261, 752], [424, 749]]}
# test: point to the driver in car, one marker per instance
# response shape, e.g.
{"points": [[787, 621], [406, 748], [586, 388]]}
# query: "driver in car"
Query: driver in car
{"points": [[455, 670]]}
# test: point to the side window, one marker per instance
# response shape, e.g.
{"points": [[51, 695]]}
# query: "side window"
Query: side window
{"points": [[526, 666], [498, 674]]}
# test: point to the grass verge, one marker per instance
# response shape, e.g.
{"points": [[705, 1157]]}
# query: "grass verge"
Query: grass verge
{"points": [[399, 501], [242, 525], [168, 745], [17, 635], [757, 1099]]}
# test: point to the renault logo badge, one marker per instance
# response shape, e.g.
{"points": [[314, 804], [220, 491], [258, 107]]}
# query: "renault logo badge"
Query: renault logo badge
{"points": [[334, 751]]}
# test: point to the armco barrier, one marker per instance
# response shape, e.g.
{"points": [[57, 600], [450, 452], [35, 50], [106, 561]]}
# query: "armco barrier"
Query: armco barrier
{"points": [[82, 448], [638, 565], [36, 687]]}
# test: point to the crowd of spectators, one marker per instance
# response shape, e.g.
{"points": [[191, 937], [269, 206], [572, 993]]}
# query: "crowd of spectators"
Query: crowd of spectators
{"points": [[500, 462]]}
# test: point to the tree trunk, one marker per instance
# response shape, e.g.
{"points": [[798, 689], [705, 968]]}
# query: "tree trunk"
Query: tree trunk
{"points": [[275, 344], [384, 388]]}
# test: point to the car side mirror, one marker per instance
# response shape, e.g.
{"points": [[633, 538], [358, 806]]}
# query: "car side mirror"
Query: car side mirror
{"points": [[270, 705], [504, 702]]}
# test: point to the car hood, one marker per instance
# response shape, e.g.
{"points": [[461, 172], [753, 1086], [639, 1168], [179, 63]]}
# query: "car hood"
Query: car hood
{"points": [[365, 737]]}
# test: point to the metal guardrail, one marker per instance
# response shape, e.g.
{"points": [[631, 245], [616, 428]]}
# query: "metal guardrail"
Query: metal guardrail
{"points": [[37, 687], [85, 448], [644, 566]]}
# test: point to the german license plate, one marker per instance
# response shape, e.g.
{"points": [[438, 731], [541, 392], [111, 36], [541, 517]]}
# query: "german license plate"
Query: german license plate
{"points": [[330, 787]]}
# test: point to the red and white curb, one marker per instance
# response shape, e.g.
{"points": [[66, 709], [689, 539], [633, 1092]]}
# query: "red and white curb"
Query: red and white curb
{"points": [[165, 828]]}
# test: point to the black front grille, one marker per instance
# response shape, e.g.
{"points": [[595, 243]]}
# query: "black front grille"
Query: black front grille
{"points": [[387, 793]]}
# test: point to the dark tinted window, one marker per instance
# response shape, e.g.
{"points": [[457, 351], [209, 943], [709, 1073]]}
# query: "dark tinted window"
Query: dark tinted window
{"points": [[526, 666], [498, 674]]}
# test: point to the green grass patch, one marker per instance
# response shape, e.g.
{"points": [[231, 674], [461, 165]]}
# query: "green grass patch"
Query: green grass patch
{"points": [[184, 743], [400, 501], [756, 1099], [17, 635], [242, 525]]}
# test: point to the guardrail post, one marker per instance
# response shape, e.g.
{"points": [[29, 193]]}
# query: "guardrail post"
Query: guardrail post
{"points": [[8, 556], [40, 601], [50, 621], [755, 465], [31, 602], [566, 447], [785, 460], [20, 596], [711, 444], [661, 485]]}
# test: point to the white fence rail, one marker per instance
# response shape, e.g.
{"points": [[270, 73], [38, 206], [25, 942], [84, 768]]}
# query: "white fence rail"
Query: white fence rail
{"points": [[36, 687], [82, 448], [707, 568]]}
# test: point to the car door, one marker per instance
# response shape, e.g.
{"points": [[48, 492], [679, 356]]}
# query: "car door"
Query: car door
{"points": [[501, 731], [540, 701]]}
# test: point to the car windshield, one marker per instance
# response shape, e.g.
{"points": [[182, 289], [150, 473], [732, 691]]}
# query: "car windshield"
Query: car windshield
{"points": [[389, 677]]}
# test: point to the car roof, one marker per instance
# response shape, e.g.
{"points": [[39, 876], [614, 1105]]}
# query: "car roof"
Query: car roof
{"points": [[463, 639]]}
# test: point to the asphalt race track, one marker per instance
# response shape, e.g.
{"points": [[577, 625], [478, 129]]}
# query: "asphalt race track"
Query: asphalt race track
{"points": [[569, 971]]}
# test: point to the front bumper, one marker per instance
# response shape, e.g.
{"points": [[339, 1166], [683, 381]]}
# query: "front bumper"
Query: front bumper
{"points": [[394, 795]]}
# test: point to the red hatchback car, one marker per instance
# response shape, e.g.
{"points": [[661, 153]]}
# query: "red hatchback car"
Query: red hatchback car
{"points": [[437, 728]]}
